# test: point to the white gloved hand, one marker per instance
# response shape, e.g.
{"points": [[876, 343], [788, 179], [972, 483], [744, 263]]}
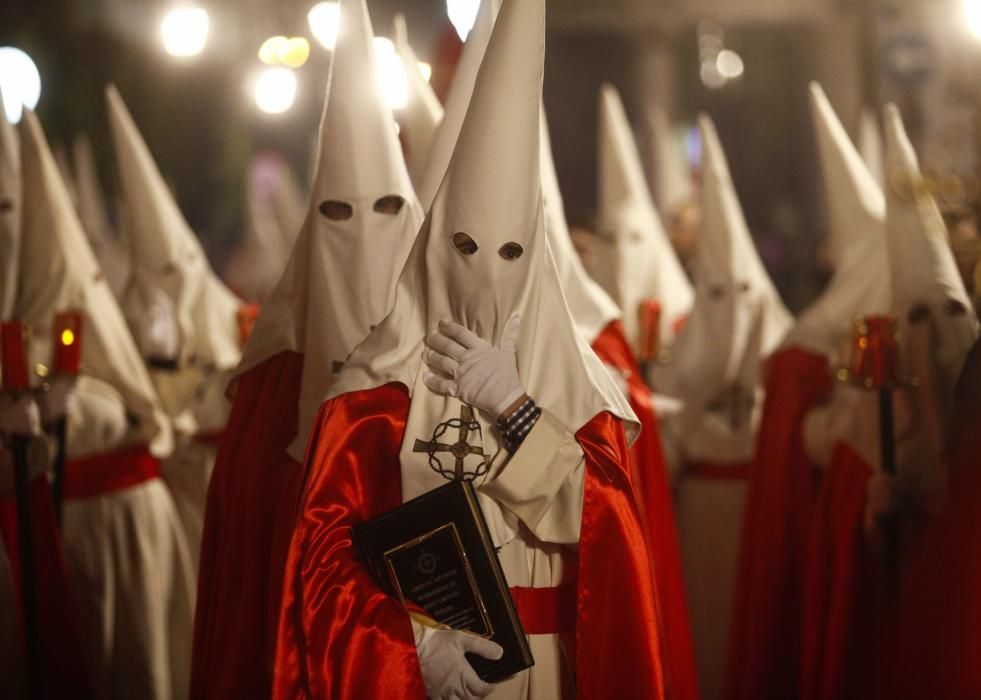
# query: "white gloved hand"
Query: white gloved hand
{"points": [[19, 415], [58, 400], [473, 370], [445, 670], [156, 327]]}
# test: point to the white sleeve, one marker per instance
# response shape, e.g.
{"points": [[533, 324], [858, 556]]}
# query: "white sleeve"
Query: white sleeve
{"points": [[97, 420], [542, 483]]}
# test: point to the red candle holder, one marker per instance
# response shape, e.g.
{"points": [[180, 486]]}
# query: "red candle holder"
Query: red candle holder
{"points": [[67, 345], [14, 338], [649, 315], [247, 315], [874, 353]]}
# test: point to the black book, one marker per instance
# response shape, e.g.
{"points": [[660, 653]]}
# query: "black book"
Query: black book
{"points": [[436, 553]]}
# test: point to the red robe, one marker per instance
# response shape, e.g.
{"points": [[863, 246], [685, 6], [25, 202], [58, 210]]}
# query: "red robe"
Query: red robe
{"points": [[843, 641], [764, 646], [649, 475], [337, 626], [63, 672], [247, 529]]}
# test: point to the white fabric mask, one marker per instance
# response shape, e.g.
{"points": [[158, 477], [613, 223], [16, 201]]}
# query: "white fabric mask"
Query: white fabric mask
{"points": [[737, 320], [10, 215], [466, 264], [60, 273], [362, 219], [108, 249], [870, 145], [856, 221], [165, 254], [634, 261], [591, 307], [457, 102], [423, 112]]}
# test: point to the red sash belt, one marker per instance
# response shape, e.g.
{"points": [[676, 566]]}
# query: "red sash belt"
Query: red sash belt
{"points": [[718, 471], [546, 610], [106, 473]]}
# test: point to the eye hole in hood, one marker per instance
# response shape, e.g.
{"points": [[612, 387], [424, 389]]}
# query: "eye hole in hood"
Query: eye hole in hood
{"points": [[391, 205], [464, 243], [335, 210]]}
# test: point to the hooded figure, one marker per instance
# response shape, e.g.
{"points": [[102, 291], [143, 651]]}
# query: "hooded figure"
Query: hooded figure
{"points": [[634, 261], [184, 318], [479, 325], [597, 319], [258, 262], [125, 550], [423, 113], [95, 218], [457, 101], [339, 283], [737, 320], [799, 426], [62, 665], [937, 329]]}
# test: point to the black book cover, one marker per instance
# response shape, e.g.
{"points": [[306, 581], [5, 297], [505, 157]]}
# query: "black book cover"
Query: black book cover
{"points": [[436, 552]]}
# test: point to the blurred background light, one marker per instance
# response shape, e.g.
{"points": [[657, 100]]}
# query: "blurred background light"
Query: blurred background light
{"points": [[324, 19], [462, 14], [269, 51], [972, 14], [20, 82], [391, 73], [425, 70], [729, 64], [275, 90], [295, 52], [185, 31]]}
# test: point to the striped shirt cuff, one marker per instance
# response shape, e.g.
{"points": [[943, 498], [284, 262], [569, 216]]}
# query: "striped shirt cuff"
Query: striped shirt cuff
{"points": [[515, 428]]}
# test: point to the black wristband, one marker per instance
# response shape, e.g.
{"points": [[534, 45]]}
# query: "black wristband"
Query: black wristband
{"points": [[515, 428]]}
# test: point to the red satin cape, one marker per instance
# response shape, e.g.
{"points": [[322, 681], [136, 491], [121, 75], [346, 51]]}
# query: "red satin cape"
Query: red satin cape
{"points": [[341, 637], [764, 646], [63, 669], [652, 491], [248, 524]]}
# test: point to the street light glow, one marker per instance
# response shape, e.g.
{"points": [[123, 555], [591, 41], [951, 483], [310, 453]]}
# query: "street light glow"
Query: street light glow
{"points": [[972, 15], [185, 31], [20, 82], [325, 19], [275, 90], [392, 77]]}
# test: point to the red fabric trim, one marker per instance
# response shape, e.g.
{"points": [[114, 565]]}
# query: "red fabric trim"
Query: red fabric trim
{"points": [[546, 610], [718, 471], [102, 474]]}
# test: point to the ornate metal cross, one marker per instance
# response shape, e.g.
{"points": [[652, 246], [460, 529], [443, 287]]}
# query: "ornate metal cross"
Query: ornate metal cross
{"points": [[461, 449]]}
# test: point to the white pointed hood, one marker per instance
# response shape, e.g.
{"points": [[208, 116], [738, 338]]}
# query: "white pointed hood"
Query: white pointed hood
{"points": [[92, 211], [260, 258], [340, 280], [289, 204], [491, 193], [165, 254], [634, 262], [737, 320], [60, 273], [423, 112], [10, 215], [591, 307], [457, 102], [929, 298], [870, 145], [672, 176], [856, 222]]}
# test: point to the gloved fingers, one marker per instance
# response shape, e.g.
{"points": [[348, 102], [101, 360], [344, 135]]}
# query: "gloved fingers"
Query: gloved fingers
{"points": [[440, 385], [481, 647], [474, 685], [463, 336], [512, 329], [446, 345], [446, 365]]}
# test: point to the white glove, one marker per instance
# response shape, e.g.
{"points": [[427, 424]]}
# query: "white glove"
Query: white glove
{"points": [[19, 415], [445, 670], [156, 327], [58, 400], [473, 370]]}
